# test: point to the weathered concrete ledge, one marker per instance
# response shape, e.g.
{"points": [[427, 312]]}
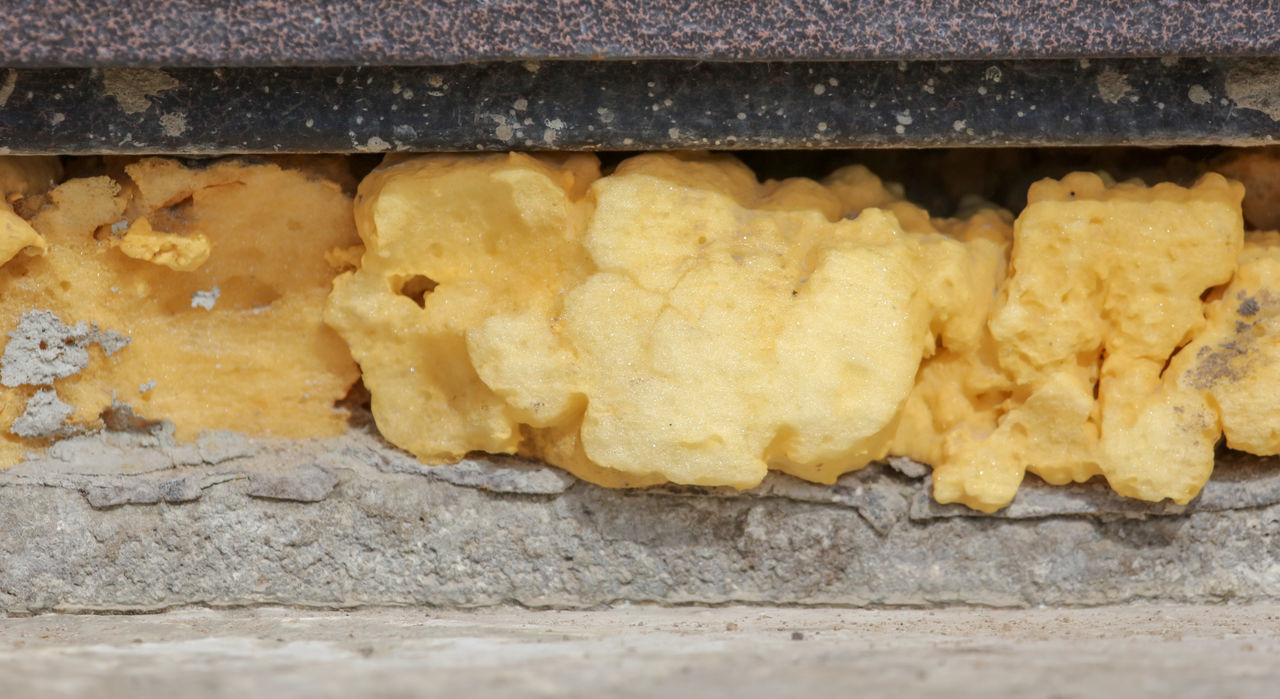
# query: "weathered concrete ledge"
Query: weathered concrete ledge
{"points": [[130, 521]]}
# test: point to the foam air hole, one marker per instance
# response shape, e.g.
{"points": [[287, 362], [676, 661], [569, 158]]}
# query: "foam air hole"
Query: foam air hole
{"points": [[416, 289]]}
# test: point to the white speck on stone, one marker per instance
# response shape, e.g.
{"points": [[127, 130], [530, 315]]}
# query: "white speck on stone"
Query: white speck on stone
{"points": [[1198, 95], [606, 115], [521, 104], [958, 125], [556, 123], [143, 388], [819, 89], [900, 129], [206, 299], [57, 118], [993, 74], [435, 80], [673, 133], [832, 82], [375, 144], [532, 66], [904, 118], [822, 126], [1168, 61], [504, 132], [982, 90], [310, 123], [742, 116]]}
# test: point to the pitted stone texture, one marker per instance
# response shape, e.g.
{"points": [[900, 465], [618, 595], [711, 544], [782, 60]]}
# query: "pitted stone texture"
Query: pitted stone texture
{"points": [[387, 534]]}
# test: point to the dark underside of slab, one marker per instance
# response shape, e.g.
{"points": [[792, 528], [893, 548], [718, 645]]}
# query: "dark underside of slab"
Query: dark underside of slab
{"points": [[644, 105]]}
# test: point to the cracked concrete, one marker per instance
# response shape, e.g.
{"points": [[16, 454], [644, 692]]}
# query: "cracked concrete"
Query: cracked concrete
{"points": [[135, 521]]}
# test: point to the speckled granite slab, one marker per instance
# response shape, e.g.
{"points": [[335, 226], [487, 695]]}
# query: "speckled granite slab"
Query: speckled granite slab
{"points": [[331, 32]]}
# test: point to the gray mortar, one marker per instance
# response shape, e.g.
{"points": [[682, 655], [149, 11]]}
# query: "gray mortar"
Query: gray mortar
{"points": [[136, 521], [43, 349], [205, 299], [44, 417]]}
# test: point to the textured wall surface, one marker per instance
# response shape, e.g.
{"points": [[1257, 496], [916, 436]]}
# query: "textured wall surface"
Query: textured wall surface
{"points": [[137, 523]]}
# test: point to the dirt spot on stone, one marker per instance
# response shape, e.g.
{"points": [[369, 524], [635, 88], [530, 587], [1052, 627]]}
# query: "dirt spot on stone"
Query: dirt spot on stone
{"points": [[1255, 85], [133, 88]]}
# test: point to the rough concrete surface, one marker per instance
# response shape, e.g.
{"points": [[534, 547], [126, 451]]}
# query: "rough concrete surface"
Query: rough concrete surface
{"points": [[43, 349], [632, 651], [134, 521]]}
